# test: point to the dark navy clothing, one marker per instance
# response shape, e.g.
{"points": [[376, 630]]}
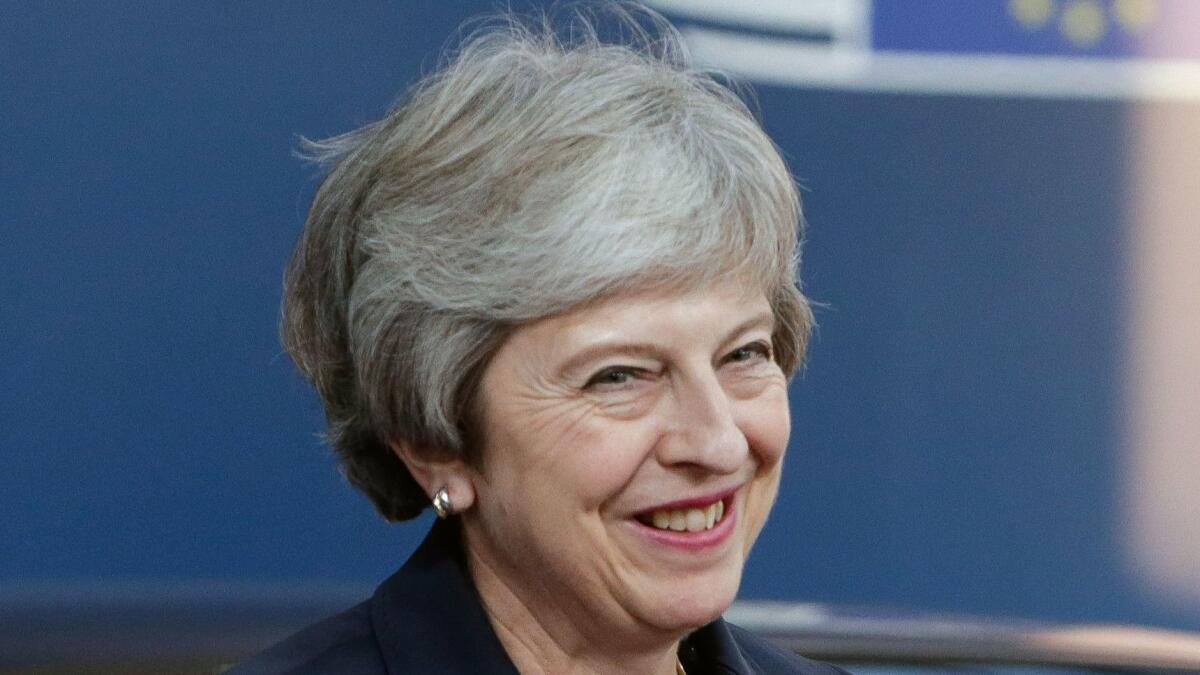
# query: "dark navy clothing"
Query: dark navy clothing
{"points": [[427, 618]]}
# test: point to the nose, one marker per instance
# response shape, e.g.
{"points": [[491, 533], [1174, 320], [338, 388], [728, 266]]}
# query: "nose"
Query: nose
{"points": [[703, 430]]}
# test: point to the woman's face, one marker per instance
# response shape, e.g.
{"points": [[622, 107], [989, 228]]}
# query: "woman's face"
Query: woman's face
{"points": [[632, 453]]}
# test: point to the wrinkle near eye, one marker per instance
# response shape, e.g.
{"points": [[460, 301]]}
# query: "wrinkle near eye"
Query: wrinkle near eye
{"points": [[549, 411], [626, 401], [753, 379]]}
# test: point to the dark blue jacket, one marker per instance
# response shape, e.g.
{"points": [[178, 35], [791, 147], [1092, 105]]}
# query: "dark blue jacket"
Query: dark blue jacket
{"points": [[427, 618]]}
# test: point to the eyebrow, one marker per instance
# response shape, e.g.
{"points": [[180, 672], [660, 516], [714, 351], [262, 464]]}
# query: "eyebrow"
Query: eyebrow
{"points": [[649, 350]]}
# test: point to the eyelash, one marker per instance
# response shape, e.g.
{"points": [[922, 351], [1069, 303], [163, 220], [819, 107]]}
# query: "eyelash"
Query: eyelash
{"points": [[599, 378], [761, 348], [627, 373]]}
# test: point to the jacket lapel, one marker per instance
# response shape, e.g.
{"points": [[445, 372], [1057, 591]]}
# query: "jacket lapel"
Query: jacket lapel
{"points": [[712, 650]]}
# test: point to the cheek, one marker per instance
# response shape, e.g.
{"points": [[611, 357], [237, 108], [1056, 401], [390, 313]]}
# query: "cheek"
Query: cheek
{"points": [[768, 424], [573, 465], [606, 458]]}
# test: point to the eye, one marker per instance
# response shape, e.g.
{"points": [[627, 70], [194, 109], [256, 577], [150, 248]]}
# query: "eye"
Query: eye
{"points": [[612, 376], [750, 352]]}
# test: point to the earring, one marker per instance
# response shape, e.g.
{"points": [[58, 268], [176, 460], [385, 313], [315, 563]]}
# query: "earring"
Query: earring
{"points": [[441, 503]]}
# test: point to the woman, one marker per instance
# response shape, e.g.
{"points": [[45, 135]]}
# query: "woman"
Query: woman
{"points": [[552, 295]]}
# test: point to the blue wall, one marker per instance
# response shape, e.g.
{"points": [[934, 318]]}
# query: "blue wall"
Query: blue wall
{"points": [[956, 441]]}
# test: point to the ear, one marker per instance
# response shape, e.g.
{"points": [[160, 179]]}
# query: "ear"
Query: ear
{"points": [[433, 471]]}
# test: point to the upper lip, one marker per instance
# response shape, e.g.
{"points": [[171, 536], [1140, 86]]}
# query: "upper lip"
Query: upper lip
{"points": [[689, 502]]}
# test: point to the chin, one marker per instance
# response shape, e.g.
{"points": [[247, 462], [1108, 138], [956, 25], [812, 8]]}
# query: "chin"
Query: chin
{"points": [[693, 604]]}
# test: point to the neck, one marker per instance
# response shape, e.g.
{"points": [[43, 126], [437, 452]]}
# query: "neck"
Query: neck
{"points": [[548, 637]]}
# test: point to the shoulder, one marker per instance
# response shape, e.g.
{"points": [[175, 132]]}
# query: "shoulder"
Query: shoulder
{"points": [[343, 643], [766, 657], [425, 618]]}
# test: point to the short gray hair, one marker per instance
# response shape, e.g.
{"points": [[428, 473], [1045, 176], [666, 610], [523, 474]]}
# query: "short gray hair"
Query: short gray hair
{"points": [[530, 174]]}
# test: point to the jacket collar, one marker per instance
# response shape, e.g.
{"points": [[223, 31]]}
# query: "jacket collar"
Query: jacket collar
{"points": [[428, 618]]}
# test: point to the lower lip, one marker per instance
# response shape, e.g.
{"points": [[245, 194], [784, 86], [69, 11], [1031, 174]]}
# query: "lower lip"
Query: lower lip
{"points": [[691, 541]]}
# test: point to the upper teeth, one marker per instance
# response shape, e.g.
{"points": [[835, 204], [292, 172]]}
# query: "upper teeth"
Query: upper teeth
{"points": [[689, 520]]}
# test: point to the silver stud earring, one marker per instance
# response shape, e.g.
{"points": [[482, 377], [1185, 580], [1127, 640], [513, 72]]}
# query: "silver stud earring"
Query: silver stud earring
{"points": [[441, 503]]}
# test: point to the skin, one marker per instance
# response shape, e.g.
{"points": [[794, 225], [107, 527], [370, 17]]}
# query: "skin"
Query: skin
{"points": [[591, 417]]}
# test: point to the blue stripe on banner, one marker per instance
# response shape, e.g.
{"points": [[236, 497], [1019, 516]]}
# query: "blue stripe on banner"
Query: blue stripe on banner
{"points": [[1099, 29]]}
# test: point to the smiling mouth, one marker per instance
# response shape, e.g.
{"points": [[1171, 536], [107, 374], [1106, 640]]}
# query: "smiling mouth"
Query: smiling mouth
{"points": [[691, 519]]}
